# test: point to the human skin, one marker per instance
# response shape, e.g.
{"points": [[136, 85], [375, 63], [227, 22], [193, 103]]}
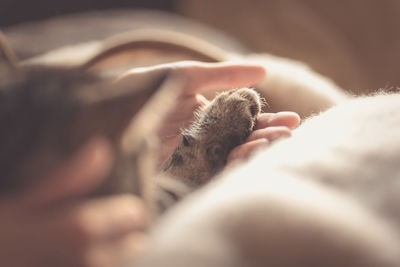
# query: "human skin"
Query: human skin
{"points": [[52, 224], [49, 225], [198, 78]]}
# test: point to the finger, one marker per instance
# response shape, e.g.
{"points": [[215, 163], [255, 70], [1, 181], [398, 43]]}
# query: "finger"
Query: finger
{"points": [[244, 151], [134, 245], [79, 176], [203, 77], [106, 219], [200, 77], [270, 133], [285, 118], [117, 253]]}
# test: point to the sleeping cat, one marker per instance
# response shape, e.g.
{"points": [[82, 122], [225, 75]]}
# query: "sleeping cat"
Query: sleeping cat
{"points": [[328, 196]]}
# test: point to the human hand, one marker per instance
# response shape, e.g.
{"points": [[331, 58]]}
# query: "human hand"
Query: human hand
{"points": [[53, 225], [195, 78], [269, 128]]}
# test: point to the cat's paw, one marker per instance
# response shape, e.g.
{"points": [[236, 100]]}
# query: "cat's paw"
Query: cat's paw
{"points": [[242, 106], [219, 127], [228, 119]]}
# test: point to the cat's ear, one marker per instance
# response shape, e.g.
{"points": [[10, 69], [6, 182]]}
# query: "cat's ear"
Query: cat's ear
{"points": [[7, 57], [110, 108]]}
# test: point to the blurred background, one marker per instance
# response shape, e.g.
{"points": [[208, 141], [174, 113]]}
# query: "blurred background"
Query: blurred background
{"points": [[17, 11], [356, 43]]}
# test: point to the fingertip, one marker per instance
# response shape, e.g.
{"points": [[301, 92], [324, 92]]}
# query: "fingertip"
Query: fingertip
{"points": [[260, 71], [140, 217], [257, 71], [133, 215], [284, 118], [253, 73], [292, 119]]}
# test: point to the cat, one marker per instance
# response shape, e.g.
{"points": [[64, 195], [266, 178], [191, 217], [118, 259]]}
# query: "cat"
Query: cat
{"points": [[327, 196]]}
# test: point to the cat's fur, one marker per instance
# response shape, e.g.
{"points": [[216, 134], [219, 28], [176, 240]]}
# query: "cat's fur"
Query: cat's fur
{"points": [[328, 196], [218, 128]]}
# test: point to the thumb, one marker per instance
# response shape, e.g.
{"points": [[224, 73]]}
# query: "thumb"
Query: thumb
{"points": [[77, 177]]}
